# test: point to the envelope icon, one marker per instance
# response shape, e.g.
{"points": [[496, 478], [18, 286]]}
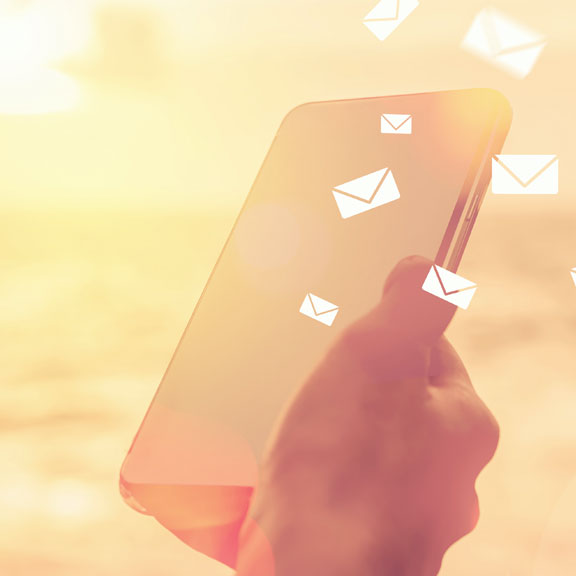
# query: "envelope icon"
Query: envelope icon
{"points": [[504, 42], [396, 124], [449, 287], [573, 272], [319, 309], [525, 174], [387, 15], [366, 193]]}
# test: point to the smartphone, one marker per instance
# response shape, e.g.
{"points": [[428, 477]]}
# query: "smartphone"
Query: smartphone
{"points": [[347, 190]]}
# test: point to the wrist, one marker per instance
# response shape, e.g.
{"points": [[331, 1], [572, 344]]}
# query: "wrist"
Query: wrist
{"points": [[314, 543]]}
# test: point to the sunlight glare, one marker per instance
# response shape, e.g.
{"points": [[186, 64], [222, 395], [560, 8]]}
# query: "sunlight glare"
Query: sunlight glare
{"points": [[74, 500], [36, 91], [33, 38]]}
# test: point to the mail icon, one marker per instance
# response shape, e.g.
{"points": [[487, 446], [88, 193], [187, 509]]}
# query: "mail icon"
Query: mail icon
{"points": [[396, 124], [504, 42], [449, 287], [387, 15], [525, 174], [573, 272], [319, 309], [366, 193]]}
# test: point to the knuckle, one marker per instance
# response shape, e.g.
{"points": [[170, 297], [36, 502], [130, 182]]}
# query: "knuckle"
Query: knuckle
{"points": [[487, 433], [470, 515], [479, 440], [460, 519], [473, 433]]}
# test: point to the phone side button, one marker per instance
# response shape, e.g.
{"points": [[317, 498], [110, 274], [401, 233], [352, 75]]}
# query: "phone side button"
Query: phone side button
{"points": [[472, 209]]}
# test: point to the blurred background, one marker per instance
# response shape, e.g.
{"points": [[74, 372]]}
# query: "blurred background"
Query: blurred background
{"points": [[130, 133]]}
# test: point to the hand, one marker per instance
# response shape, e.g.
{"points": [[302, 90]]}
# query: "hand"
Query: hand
{"points": [[372, 468]]}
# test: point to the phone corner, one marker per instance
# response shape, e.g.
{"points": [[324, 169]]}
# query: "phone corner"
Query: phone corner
{"points": [[126, 493], [296, 112], [501, 102]]}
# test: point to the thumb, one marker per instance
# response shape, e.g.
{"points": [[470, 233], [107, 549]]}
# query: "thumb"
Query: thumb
{"points": [[407, 315]]}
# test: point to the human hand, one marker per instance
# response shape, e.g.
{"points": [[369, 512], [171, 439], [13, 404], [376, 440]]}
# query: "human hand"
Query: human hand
{"points": [[372, 468]]}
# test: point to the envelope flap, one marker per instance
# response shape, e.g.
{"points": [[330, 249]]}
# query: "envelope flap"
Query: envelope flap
{"points": [[364, 187], [321, 306], [385, 10], [451, 282], [504, 33], [526, 167], [396, 120]]}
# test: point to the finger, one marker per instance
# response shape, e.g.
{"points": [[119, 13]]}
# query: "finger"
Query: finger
{"points": [[415, 315], [407, 315], [396, 337], [446, 368]]}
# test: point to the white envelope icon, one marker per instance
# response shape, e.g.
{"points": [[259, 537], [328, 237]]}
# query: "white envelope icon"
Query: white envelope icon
{"points": [[366, 193], [504, 42], [396, 124], [525, 174], [319, 309], [573, 272], [387, 15], [449, 287]]}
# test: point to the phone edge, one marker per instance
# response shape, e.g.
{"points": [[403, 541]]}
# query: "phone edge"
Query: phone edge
{"points": [[446, 252], [473, 193]]}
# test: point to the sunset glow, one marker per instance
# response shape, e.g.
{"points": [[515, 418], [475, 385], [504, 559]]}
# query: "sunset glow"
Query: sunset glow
{"points": [[33, 39]]}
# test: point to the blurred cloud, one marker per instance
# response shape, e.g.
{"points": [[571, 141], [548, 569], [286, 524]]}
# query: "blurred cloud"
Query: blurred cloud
{"points": [[41, 32], [128, 46]]}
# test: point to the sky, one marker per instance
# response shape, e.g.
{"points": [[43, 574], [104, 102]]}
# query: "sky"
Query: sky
{"points": [[175, 103]]}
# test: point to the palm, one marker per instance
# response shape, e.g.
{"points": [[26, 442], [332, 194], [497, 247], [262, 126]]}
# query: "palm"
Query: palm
{"points": [[378, 454]]}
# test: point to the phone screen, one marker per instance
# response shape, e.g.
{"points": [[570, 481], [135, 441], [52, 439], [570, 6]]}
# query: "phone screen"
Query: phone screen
{"points": [[348, 189]]}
